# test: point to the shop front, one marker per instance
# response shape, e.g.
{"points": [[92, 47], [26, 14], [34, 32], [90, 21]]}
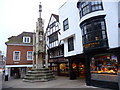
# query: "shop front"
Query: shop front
{"points": [[72, 67], [77, 67], [17, 71], [103, 70], [64, 69], [59, 66]]}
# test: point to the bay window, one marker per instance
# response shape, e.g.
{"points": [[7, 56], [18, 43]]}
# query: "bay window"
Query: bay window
{"points": [[88, 7], [94, 33]]}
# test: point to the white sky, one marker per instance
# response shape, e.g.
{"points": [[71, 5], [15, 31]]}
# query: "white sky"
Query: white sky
{"points": [[17, 16]]}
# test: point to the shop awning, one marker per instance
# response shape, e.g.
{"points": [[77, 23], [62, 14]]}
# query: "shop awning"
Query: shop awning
{"points": [[19, 66]]}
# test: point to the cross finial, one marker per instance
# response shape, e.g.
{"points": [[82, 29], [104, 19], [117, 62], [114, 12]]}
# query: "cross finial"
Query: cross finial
{"points": [[40, 9]]}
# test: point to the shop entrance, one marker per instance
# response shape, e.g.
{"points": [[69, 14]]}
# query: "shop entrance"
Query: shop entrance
{"points": [[63, 69], [60, 68], [15, 72], [79, 69]]}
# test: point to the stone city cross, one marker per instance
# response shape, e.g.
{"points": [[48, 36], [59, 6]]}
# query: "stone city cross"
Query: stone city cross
{"points": [[38, 73]]}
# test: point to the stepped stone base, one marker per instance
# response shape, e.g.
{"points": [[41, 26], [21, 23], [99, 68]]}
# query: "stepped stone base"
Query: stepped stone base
{"points": [[39, 75]]}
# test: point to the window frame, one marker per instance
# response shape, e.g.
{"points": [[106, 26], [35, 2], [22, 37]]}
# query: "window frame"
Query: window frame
{"points": [[70, 44], [96, 43], [65, 24], [53, 37], [29, 56], [14, 56], [87, 7], [26, 39], [92, 22]]}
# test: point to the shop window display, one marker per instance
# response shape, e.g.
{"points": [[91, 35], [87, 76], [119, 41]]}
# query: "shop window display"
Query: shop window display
{"points": [[74, 66], [54, 68], [104, 67], [64, 68], [82, 70], [104, 64]]}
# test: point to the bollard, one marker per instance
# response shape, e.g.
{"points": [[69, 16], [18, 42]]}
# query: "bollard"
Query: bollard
{"points": [[72, 75], [6, 77]]}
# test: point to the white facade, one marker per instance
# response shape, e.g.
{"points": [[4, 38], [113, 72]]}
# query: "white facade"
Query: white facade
{"points": [[119, 23], [70, 11], [110, 10]]}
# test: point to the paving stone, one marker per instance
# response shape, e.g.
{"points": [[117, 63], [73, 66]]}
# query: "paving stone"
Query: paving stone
{"points": [[59, 82]]}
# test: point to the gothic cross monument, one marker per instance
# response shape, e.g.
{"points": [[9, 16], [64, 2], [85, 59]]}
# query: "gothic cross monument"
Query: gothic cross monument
{"points": [[39, 45], [38, 73]]}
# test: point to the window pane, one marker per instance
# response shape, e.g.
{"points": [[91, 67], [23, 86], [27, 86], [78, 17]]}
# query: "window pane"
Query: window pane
{"points": [[65, 24], [100, 7], [103, 25], [83, 39], [53, 37], [97, 35], [88, 7], [104, 36], [97, 25], [96, 5], [26, 39], [92, 3], [16, 55], [103, 32], [29, 55], [93, 31], [88, 28], [70, 44]]}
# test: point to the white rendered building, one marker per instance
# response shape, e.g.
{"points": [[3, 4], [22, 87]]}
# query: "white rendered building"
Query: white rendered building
{"points": [[72, 38], [99, 23], [70, 31]]}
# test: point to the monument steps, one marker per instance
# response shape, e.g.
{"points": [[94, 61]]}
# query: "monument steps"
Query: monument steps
{"points": [[41, 75]]}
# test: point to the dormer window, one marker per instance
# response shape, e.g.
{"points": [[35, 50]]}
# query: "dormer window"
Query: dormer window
{"points": [[26, 39]]}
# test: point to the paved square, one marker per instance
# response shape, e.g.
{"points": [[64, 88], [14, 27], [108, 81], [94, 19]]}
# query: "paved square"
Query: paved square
{"points": [[60, 82]]}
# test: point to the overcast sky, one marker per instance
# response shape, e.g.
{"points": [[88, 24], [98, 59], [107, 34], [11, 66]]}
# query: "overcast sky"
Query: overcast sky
{"points": [[17, 16]]}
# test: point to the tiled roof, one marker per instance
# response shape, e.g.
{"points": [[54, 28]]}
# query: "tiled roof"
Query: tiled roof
{"points": [[19, 38]]}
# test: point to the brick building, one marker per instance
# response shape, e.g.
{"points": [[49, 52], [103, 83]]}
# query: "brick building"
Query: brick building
{"points": [[19, 56]]}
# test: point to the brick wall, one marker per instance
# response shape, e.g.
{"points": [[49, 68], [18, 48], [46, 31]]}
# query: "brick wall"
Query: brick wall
{"points": [[23, 55]]}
